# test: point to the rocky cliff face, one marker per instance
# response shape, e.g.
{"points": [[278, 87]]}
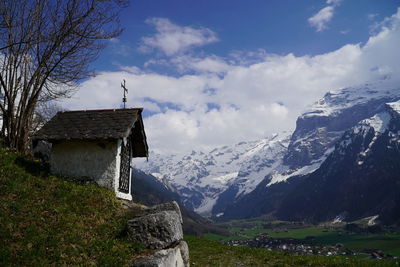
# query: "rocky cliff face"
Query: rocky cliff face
{"points": [[359, 178], [318, 129]]}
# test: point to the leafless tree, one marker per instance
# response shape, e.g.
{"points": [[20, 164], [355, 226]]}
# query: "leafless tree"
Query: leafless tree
{"points": [[46, 47]]}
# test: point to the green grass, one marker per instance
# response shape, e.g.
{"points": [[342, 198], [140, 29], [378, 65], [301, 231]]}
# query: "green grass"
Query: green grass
{"points": [[387, 242], [209, 253], [299, 233], [46, 220]]}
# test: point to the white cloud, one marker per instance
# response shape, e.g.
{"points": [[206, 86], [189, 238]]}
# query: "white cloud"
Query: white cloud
{"points": [[279, 110], [320, 20], [388, 22], [372, 16], [333, 2], [229, 100], [211, 64], [173, 39], [131, 69], [185, 63]]}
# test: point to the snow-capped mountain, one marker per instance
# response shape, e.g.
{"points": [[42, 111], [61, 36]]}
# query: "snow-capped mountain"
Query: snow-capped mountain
{"points": [[257, 163], [318, 130], [360, 178], [320, 133], [251, 178], [200, 177], [322, 125]]}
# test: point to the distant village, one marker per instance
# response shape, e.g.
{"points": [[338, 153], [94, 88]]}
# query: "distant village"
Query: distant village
{"points": [[298, 247]]}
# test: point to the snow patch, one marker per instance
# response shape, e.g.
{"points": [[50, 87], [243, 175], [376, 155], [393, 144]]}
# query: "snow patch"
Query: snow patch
{"points": [[372, 220], [340, 218], [158, 175], [283, 172], [224, 179], [206, 205], [395, 106], [379, 122], [337, 219]]}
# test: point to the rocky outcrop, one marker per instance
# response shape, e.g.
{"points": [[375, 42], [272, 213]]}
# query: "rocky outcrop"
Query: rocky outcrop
{"points": [[160, 228], [168, 206], [177, 256]]}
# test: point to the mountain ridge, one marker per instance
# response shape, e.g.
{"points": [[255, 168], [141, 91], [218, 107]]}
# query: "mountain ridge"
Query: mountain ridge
{"points": [[213, 181], [199, 178], [360, 178]]}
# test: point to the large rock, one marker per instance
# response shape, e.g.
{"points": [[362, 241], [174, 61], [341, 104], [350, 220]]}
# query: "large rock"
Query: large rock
{"points": [[158, 230], [171, 206], [171, 257], [183, 246]]}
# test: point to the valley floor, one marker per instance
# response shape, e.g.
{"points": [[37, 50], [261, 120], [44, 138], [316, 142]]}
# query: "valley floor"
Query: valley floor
{"points": [[208, 253], [261, 243]]}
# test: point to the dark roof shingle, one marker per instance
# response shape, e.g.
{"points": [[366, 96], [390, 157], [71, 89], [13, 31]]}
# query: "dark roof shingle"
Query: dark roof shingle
{"points": [[90, 124]]}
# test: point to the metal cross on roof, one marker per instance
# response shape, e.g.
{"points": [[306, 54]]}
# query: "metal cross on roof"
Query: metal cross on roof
{"points": [[125, 91]]}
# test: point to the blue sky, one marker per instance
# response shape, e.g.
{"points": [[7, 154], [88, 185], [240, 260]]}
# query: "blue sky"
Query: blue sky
{"points": [[199, 68], [277, 26]]}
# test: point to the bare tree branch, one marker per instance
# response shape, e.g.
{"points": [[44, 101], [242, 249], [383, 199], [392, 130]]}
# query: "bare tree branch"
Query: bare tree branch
{"points": [[45, 50]]}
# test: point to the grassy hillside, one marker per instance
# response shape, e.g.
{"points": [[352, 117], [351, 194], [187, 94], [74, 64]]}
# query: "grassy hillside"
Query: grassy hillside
{"points": [[45, 220]]}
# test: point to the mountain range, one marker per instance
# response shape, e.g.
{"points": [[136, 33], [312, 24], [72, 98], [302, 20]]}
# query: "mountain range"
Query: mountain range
{"points": [[341, 161], [201, 177]]}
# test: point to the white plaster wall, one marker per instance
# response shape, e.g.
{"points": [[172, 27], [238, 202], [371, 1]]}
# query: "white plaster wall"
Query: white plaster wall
{"points": [[96, 160]]}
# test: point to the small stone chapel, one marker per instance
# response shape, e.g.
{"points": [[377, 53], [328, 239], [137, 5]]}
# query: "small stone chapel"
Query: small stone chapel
{"points": [[96, 144]]}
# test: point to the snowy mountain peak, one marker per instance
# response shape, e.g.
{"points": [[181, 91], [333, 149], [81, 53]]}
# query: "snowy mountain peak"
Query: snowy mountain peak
{"points": [[336, 101], [199, 177], [318, 129], [211, 180], [355, 174]]}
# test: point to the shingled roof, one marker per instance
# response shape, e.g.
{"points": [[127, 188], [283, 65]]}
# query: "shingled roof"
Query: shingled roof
{"points": [[95, 125]]}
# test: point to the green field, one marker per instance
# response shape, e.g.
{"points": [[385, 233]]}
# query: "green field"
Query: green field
{"points": [[209, 253], [388, 242]]}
